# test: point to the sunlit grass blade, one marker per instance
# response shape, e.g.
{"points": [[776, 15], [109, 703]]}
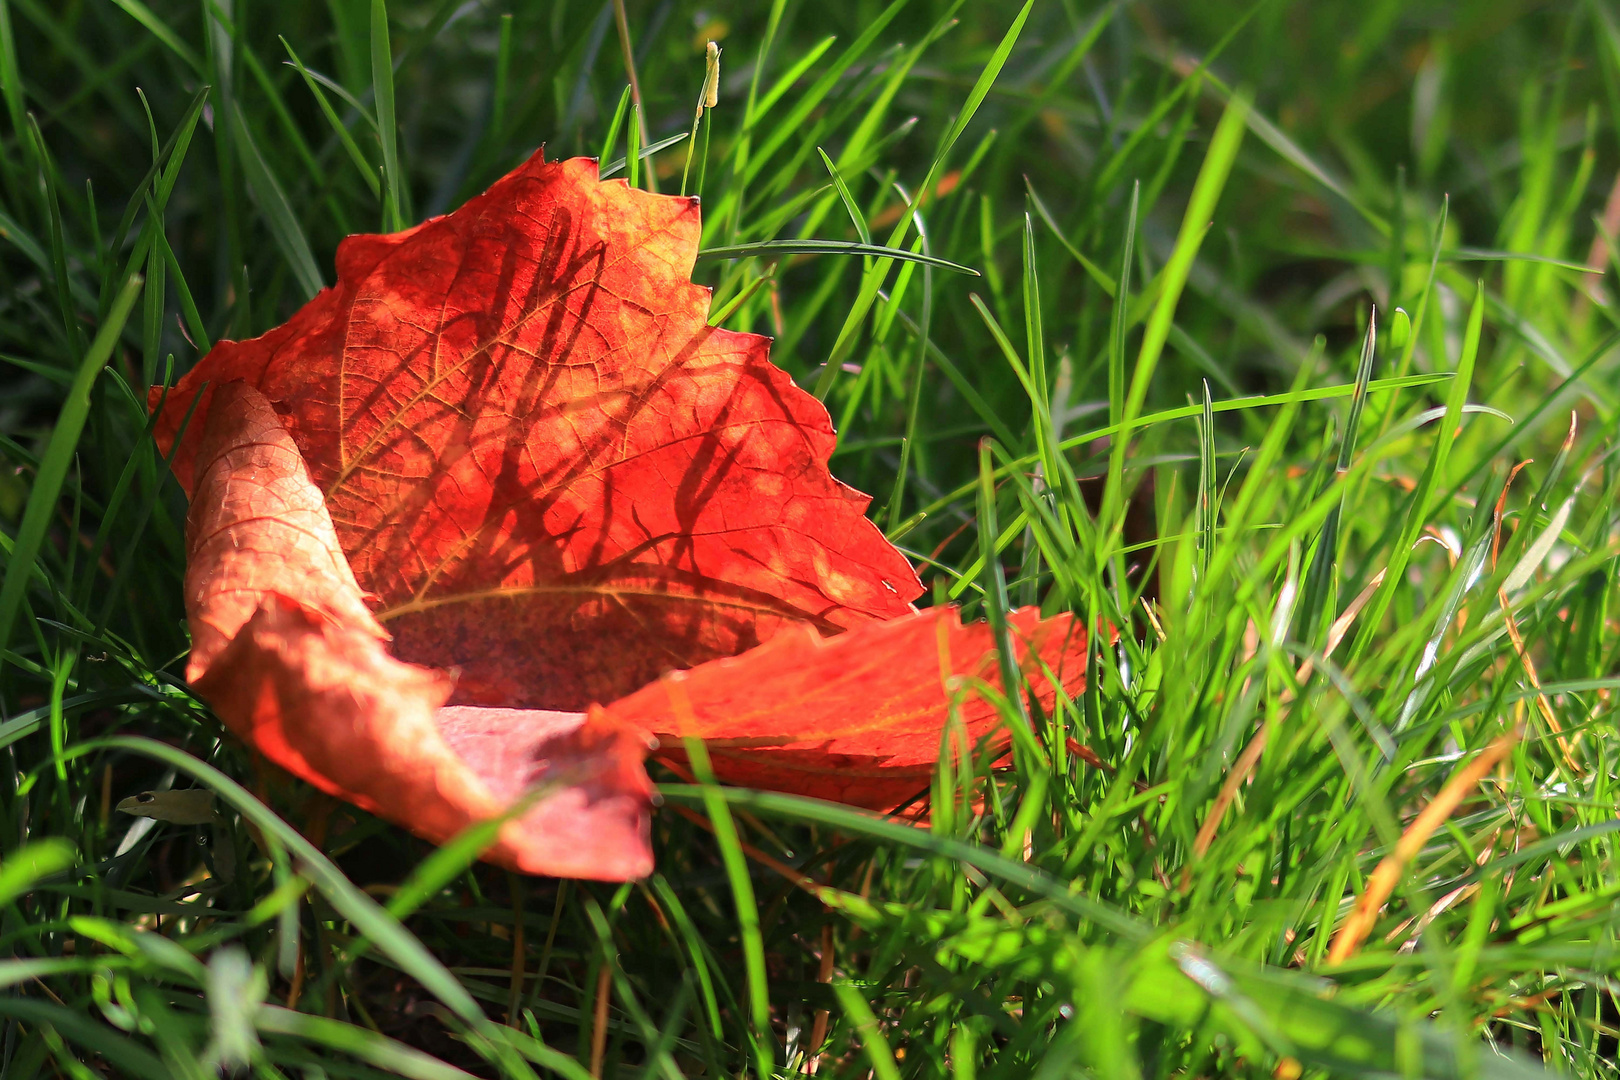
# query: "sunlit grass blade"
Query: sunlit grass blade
{"points": [[833, 247], [873, 279], [338, 1037], [742, 890], [1319, 580], [642, 153], [1207, 189], [339, 128], [1419, 505]]}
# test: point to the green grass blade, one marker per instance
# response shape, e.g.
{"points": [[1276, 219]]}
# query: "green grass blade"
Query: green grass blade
{"points": [[1120, 324], [865, 1024], [364, 913], [1223, 148], [335, 1036], [132, 1057], [742, 890], [57, 460], [1418, 508], [11, 77], [874, 278], [28, 864], [279, 218], [611, 139], [341, 130], [1313, 604], [855, 215], [161, 31], [833, 247], [382, 90]]}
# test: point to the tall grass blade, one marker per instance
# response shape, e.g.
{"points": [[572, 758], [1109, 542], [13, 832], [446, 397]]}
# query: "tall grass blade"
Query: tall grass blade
{"points": [[57, 460]]}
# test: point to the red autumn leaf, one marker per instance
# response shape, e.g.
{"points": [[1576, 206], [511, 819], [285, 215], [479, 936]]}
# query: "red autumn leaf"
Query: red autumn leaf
{"points": [[506, 464], [526, 432], [857, 718], [289, 657]]}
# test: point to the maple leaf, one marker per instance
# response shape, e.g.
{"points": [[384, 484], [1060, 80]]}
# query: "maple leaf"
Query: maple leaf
{"points": [[525, 430], [504, 471], [286, 652], [856, 718]]}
